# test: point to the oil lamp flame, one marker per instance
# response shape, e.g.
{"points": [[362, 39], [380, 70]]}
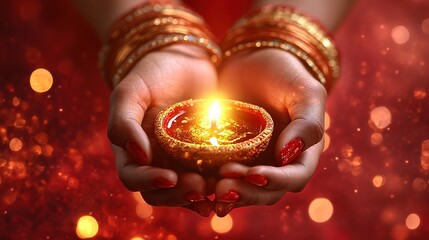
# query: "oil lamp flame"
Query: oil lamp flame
{"points": [[214, 114], [214, 141]]}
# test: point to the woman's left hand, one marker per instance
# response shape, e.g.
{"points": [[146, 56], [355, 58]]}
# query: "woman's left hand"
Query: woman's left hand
{"points": [[279, 82]]}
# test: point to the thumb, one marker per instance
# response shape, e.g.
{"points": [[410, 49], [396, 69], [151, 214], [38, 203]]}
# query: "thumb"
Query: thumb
{"points": [[128, 105]]}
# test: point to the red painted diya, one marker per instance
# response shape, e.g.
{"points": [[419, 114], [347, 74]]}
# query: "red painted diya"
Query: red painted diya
{"points": [[204, 134]]}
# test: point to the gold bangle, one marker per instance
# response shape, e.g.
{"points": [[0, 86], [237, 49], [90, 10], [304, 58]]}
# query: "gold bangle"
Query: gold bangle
{"points": [[149, 27], [162, 41], [285, 28]]}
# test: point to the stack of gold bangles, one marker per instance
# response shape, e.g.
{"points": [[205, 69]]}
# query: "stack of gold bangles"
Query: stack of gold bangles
{"points": [[284, 28], [148, 27]]}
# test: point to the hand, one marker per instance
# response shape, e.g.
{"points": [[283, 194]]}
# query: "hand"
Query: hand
{"points": [[279, 82], [161, 78]]}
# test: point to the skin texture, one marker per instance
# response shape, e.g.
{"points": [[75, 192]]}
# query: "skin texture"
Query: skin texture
{"points": [[271, 78]]}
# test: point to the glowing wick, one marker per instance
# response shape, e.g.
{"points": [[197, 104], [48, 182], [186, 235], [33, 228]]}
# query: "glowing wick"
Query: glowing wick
{"points": [[213, 141], [214, 114]]}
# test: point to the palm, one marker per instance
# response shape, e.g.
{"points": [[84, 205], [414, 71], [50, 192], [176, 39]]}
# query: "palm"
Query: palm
{"points": [[267, 78]]}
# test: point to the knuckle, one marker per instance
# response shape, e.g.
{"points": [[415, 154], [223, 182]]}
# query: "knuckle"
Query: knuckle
{"points": [[317, 130]]}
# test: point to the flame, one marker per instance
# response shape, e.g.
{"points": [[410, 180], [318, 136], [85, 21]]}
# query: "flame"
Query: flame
{"points": [[214, 114], [214, 141]]}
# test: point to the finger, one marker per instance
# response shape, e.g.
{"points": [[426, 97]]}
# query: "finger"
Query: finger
{"points": [[306, 108], [141, 178], [235, 193], [190, 188], [290, 178], [129, 102], [233, 170]]}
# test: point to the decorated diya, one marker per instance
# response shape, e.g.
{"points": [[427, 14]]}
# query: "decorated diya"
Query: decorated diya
{"points": [[204, 134]]}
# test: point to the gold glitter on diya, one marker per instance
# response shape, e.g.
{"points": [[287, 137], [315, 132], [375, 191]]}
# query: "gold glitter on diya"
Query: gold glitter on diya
{"points": [[204, 134]]}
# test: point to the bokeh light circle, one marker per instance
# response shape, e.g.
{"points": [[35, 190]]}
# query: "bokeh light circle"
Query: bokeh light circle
{"points": [[15, 144], [378, 181], [41, 80], [381, 117], [320, 210], [400, 34], [412, 221], [87, 227], [222, 225]]}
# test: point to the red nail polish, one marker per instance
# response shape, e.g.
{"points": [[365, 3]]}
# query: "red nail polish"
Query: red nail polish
{"points": [[291, 150], [231, 196], [232, 175], [194, 197], [203, 208], [257, 179], [222, 209], [163, 183], [136, 152]]}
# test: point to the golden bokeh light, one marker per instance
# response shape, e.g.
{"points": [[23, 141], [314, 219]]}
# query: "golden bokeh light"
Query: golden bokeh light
{"points": [[327, 142], [400, 34], [327, 121], [144, 210], [41, 80], [15, 144], [412, 221], [381, 117], [376, 138], [87, 227], [320, 210], [222, 225], [137, 238], [378, 181]]}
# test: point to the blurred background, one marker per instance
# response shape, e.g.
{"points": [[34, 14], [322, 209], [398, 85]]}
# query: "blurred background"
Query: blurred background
{"points": [[57, 173]]}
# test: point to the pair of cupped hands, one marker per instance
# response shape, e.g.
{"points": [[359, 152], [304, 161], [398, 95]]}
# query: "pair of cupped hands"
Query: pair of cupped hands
{"points": [[270, 78]]}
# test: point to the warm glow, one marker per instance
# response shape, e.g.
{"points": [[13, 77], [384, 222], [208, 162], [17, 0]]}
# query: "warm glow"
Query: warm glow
{"points": [[144, 210], [213, 141], [412, 221], [378, 181], [41, 80], [222, 225], [320, 210], [327, 142], [400, 34], [214, 113], [327, 121], [376, 138], [171, 237], [137, 238], [15, 144], [381, 117], [87, 227]]}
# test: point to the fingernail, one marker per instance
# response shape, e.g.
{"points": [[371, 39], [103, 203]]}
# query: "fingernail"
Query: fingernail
{"points": [[136, 152], [257, 179], [291, 150], [194, 197], [230, 197], [222, 208], [203, 208], [163, 183], [232, 175]]}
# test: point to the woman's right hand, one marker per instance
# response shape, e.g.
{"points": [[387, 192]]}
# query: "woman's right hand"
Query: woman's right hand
{"points": [[161, 78]]}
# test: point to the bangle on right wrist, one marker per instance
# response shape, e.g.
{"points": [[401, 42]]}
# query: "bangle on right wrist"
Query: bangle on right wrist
{"points": [[285, 28]]}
